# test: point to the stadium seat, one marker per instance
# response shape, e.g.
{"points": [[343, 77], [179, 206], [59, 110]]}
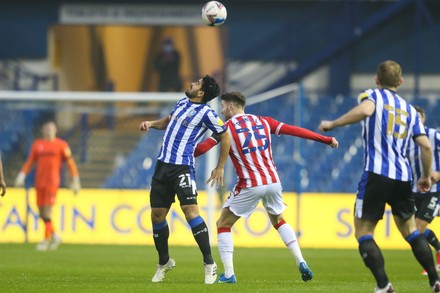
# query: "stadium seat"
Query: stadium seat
{"points": [[324, 169]]}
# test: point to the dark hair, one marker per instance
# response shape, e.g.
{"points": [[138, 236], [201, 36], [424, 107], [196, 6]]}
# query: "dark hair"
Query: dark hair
{"points": [[210, 87], [235, 97]]}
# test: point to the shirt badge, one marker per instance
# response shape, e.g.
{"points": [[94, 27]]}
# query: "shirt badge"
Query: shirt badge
{"points": [[191, 113]]}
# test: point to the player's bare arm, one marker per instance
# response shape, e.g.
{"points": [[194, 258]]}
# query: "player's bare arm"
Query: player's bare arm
{"points": [[218, 172], [424, 184], [358, 113], [156, 124]]}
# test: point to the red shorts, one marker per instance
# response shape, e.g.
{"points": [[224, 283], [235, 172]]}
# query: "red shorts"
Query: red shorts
{"points": [[46, 196]]}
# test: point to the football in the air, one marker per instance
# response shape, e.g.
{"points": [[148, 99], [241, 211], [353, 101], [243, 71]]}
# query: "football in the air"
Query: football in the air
{"points": [[214, 13]]}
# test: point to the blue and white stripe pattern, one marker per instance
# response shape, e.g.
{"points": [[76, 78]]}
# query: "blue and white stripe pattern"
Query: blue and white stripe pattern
{"points": [[416, 162], [387, 132], [189, 122]]}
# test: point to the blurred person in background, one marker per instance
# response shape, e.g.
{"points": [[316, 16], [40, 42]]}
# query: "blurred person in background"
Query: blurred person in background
{"points": [[388, 122], [2, 179], [258, 180], [426, 202], [175, 171], [168, 67], [49, 153]]}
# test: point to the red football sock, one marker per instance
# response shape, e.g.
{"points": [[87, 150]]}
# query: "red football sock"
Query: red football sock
{"points": [[49, 229]]}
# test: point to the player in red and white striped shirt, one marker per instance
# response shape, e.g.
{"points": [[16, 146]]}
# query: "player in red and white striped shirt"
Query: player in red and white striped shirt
{"points": [[258, 178]]}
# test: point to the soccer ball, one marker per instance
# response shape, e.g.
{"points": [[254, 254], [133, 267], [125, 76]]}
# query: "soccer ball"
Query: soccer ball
{"points": [[214, 13]]}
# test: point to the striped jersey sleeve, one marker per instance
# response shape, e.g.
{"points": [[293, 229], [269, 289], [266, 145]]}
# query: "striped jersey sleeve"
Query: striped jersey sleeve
{"points": [[387, 133], [416, 162], [189, 122]]}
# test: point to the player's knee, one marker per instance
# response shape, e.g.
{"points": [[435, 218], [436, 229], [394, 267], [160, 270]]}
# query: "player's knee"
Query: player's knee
{"points": [[276, 219], [158, 215], [157, 219], [190, 211], [226, 220], [421, 225], [223, 223], [45, 218]]}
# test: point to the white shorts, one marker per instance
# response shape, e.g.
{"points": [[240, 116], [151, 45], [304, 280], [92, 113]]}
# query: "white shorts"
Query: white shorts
{"points": [[244, 202]]}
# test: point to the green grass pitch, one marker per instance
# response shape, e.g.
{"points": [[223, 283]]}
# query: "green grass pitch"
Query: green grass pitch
{"points": [[107, 268]]}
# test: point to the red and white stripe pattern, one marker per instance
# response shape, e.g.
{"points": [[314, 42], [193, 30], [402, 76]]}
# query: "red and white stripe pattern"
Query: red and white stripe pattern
{"points": [[251, 151]]}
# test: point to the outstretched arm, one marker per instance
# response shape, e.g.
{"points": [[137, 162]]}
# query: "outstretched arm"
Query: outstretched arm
{"points": [[156, 124], [278, 128], [358, 113], [308, 134]]}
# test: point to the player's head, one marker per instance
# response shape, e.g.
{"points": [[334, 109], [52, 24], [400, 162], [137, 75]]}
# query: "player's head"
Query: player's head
{"points": [[232, 103], [205, 89], [421, 113], [389, 74], [210, 88], [49, 130]]}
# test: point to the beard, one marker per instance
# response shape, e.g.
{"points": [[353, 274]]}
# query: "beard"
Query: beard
{"points": [[189, 94]]}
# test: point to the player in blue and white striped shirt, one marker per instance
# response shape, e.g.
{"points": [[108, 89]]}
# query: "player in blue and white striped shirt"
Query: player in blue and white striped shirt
{"points": [[175, 174], [389, 123], [384, 147], [426, 203]]}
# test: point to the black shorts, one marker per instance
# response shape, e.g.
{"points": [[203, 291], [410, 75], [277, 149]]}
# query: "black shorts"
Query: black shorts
{"points": [[426, 205], [169, 180], [375, 190]]}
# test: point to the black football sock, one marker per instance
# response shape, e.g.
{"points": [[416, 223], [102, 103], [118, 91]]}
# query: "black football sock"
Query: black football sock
{"points": [[432, 239], [201, 235], [161, 232], [373, 259], [423, 254]]}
